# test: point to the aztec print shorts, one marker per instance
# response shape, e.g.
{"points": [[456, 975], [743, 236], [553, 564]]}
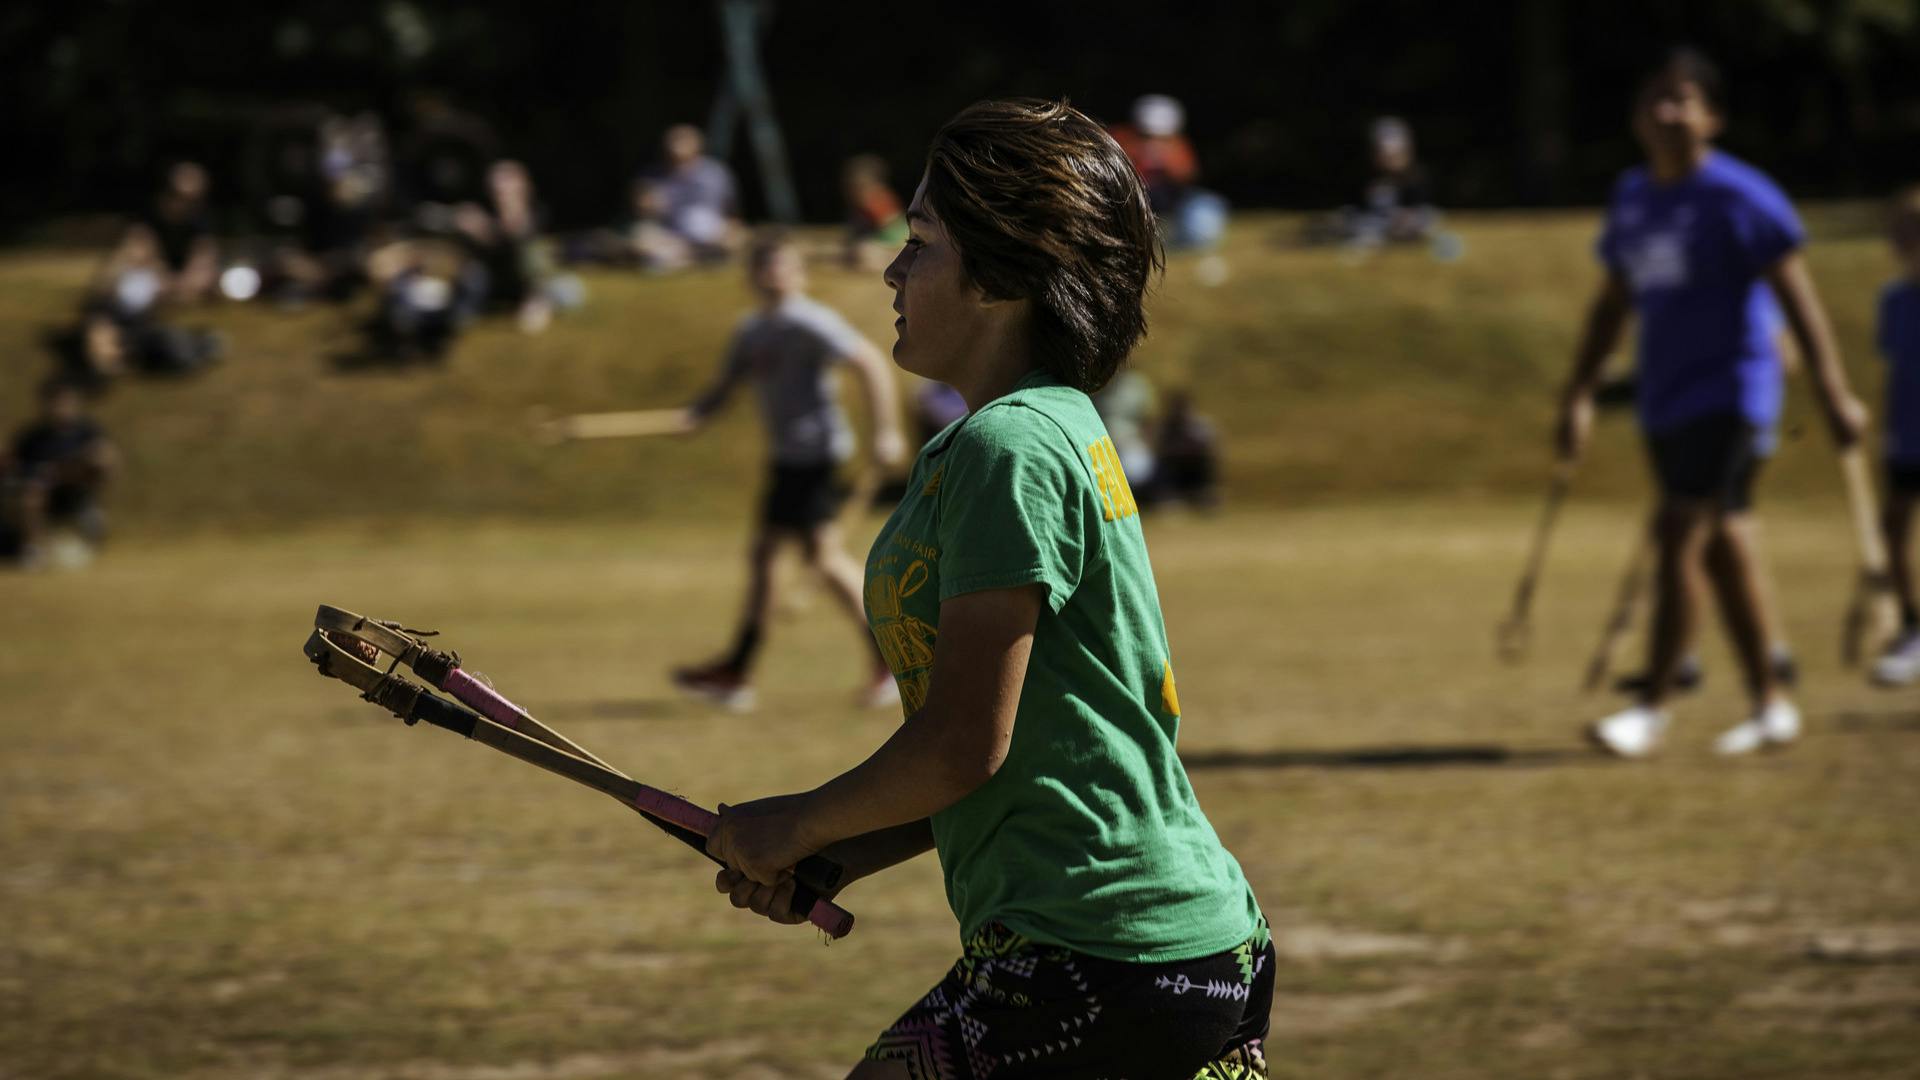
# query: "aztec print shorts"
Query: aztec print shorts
{"points": [[1013, 1008]]}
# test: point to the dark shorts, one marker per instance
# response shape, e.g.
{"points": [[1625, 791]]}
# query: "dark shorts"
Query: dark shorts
{"points": [[1714, 458], [802, 496], [1903, 478], [1013, 1008]]}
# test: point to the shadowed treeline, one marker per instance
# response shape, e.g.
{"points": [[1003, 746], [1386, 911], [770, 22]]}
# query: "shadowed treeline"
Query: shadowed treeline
{"points": [[1515, 101]]}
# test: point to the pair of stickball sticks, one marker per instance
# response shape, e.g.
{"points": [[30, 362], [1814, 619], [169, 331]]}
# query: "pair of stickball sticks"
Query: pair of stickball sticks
{"points": [[367, 655], [1872, 616]]}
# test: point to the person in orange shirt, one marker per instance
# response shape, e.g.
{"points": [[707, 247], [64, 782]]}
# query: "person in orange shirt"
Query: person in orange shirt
{"points": [[1189, 216]]}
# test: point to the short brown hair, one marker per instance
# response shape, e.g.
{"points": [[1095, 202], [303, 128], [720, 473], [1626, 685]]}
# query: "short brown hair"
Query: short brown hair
{"points": [[766, 243], [1044, 206]]}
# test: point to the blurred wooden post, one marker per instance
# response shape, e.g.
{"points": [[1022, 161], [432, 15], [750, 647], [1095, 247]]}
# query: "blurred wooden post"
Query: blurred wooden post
{"points": [[746, 90]]}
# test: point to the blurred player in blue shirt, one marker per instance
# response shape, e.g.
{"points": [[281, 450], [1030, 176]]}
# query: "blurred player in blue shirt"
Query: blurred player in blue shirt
{"points": [[1898, 333], [1694, 240]]}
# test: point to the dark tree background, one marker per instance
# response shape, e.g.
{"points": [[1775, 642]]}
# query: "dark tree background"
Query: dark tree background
{"points": [[1515, 102]]}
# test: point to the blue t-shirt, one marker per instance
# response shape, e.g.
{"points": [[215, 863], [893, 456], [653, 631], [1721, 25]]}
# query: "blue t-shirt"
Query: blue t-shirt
{"points": [[1695, 254], [1898, 334]]}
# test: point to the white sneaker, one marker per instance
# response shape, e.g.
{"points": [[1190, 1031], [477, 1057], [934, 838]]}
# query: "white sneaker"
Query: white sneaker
{"points": [[1631, 733], [1900, 664], [718, 684], [1777, 725]]}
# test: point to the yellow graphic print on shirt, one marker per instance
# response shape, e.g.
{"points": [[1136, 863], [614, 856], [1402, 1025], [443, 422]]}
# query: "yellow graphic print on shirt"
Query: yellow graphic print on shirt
{"points": [[1169, 695], [1116, 496], [906, 643]]}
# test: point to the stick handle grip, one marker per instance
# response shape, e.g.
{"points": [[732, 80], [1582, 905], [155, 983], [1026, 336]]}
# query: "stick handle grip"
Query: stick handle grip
{"points": [[1866, 517], [687, 822], [825, 914]]}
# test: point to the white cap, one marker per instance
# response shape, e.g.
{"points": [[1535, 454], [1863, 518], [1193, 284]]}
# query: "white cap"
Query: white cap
{"points": [[1159, 115], [1391, 131]]}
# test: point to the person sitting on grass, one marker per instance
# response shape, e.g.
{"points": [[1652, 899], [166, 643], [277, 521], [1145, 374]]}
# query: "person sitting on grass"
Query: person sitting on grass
{"points": [[1898, 334], [178, 228], [790, 347], [53, 474], [686, 206], [123, 325], [1190, 216], [1693, 240], [876, 222], [505, 235], [1106, 929], [1187, 453]]}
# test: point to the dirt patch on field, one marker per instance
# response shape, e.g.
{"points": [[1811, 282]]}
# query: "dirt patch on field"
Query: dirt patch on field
{"points": [[1308, 942], [1320, 1014], [239, 987], [1867, 945], [1765, 923], [1829, 1000]]}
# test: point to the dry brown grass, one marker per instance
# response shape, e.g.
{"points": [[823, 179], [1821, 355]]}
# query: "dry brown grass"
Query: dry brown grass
{"points": [[215, 865], [219, 865]]}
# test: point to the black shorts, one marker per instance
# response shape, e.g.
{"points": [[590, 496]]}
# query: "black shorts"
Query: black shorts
{"points": [[1714, 458], [802, 496], [1013, 1008], [1903, 478]]}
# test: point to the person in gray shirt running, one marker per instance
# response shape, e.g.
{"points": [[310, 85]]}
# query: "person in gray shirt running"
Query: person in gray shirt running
{"points": [[789, 348]]}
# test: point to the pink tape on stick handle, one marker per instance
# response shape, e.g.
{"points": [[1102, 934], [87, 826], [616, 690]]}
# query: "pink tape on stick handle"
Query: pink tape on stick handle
{"points": [[825, 914], [831, 917], [488, 703]]}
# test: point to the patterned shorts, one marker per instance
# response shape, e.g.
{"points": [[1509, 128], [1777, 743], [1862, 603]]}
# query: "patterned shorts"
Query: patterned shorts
{"points": [[1013, 1008]]}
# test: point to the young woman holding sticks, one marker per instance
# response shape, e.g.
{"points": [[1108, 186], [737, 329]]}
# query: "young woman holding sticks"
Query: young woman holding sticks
{"points": [[1107, 932]]}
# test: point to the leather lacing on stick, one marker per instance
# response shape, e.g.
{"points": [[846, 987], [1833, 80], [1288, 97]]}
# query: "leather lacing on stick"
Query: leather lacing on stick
{"points": [[339, 650]]}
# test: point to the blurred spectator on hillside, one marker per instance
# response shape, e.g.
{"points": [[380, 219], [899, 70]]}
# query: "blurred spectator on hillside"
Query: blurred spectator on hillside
{"points": [[282, 164], [121, 328], [353, 197], [1126, 407], [1396, 206], [52, 476], [876, 218], [355, 165], [177, 228], [935, 406], [429, 289], [506, 238], [685, 207], [1187, 457], [443, 161], [328, 189], [1190, 216]]}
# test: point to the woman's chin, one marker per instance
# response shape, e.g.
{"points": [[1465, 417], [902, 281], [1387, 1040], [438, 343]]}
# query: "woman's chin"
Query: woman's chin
{"points": [[905, 358]]}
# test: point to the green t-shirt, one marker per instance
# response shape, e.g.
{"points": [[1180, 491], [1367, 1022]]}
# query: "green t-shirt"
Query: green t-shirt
{"points": [[1089, 835]]}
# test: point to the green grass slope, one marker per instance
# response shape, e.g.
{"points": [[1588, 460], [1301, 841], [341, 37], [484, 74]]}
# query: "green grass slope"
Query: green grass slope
{"points": [[1393, 377]]}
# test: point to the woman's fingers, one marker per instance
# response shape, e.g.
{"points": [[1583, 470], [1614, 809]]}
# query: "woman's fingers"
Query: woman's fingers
{"points": [[780, 904], [743, 892], [771, 901]]}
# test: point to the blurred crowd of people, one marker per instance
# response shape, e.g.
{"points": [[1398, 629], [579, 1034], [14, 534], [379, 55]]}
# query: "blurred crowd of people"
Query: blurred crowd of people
{"points": [[422, 226]]}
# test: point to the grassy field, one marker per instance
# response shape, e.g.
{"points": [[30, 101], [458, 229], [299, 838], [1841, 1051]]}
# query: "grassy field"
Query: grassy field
{"points": [[215, 865], [222, 866]]}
